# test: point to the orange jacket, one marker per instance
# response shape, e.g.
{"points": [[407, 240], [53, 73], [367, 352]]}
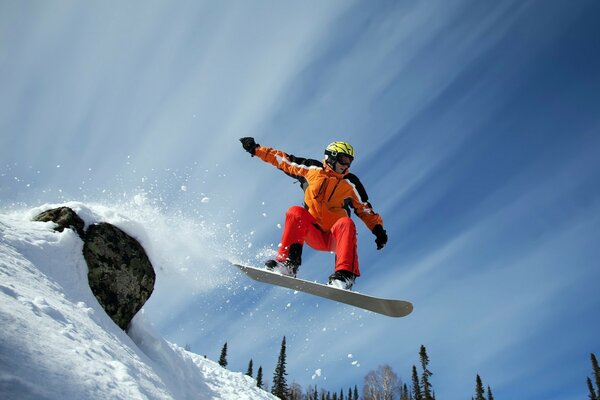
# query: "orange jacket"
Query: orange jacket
{"points": [[328, 195]]}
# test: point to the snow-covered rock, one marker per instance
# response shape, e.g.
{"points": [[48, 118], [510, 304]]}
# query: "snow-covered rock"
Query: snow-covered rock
{"points": [[56, 341]]}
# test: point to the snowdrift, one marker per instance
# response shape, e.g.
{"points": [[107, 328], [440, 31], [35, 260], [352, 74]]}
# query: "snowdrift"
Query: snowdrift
{"points": [[57, 342]]}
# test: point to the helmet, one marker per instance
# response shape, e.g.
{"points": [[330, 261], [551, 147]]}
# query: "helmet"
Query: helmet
{"points": [[333, 150]]}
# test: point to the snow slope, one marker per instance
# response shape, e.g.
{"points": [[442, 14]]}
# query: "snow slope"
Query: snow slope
{"points": [[56, 341]]}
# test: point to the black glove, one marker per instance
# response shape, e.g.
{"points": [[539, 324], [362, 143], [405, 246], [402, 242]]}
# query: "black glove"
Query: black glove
{"points": [[380, 236], [249, 144]]}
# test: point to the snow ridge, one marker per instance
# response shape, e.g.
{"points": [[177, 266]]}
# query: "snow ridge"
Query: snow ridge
{"points": [[56, 341]]}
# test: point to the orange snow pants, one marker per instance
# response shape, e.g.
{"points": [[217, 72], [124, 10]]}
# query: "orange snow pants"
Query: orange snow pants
{"points": [[301, 227]]}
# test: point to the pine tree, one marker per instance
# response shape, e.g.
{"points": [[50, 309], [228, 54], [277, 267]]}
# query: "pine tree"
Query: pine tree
{"points": [[404, 395], [425, 384], [479, 392], [356, 392], [489, 393], [596, 370], [259, 377], [249, 371], [416, 386], [592, 395], [223, 358], [280, 388]]}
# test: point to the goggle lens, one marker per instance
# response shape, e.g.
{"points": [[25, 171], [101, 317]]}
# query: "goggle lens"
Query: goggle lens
{"points": [[344, 160]]}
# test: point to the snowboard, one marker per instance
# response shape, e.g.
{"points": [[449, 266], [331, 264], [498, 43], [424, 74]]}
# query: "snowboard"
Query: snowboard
{"points": [[389, 307]]}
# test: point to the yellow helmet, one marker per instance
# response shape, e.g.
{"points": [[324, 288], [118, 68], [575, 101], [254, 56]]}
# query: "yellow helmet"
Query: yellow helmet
{"points": [[335, 148]]}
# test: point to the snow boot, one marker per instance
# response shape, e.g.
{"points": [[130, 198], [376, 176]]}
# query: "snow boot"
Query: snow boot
{"points": [[342, 279], [285, 268], [290, 266]]}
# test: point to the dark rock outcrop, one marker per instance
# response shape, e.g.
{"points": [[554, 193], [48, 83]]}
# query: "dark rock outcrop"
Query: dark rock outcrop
{"points": [[120, 273], [64, 217]]}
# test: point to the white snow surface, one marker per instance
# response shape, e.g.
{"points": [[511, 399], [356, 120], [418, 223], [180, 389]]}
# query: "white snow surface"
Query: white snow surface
{"points": [[57, 342]]}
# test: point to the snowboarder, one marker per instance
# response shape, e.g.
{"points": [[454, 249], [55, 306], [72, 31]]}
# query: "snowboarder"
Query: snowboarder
{"points": [[324, 222]]}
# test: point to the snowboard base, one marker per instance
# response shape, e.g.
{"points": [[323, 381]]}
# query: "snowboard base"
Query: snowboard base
{"points": [[389, 307]]}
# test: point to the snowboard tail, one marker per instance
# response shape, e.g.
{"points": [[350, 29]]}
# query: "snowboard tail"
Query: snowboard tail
{"points": [[389, 307]]}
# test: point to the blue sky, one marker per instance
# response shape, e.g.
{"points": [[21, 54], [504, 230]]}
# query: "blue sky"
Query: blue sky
{"points": [[477, 135]]}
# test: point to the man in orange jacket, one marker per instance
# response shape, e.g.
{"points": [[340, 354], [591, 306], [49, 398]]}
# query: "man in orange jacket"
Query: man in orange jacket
{"points": [[324, 222]]}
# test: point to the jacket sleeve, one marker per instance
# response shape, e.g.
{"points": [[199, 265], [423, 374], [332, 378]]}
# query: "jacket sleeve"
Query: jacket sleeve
{"points": [[294, 166], [361, 205]]}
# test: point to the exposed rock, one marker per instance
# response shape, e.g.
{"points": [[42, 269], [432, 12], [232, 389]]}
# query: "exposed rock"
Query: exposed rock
{"points": [[64, 217], [120, 273]]}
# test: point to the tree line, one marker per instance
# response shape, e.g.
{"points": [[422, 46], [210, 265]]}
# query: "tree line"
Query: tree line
{"points": [[380, 384], [280, 387]]}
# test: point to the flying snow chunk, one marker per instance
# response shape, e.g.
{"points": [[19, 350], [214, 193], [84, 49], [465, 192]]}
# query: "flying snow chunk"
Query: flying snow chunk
{"points": [[183, 188], [317, 374], [205, 200], [140, 199]]}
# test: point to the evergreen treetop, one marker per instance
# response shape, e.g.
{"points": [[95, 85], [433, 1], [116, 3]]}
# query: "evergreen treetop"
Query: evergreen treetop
{"points": [[259, 377], [223, 357], [596, 370], [479, 392], [416, 386], [425, 383], [594, 393], [489, 393], [250, 371], [280, 388]]}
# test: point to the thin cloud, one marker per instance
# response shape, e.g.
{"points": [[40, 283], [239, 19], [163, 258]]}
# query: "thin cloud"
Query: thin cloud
{"points": [[474, 139]]}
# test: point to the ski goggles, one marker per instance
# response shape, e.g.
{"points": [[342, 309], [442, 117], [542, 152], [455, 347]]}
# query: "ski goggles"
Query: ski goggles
{"points": [[344, 160]]}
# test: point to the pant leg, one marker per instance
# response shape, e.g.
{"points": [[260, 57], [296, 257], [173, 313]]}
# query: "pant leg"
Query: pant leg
{"points": [[346, 254], [300, 227], [295, 229]]}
